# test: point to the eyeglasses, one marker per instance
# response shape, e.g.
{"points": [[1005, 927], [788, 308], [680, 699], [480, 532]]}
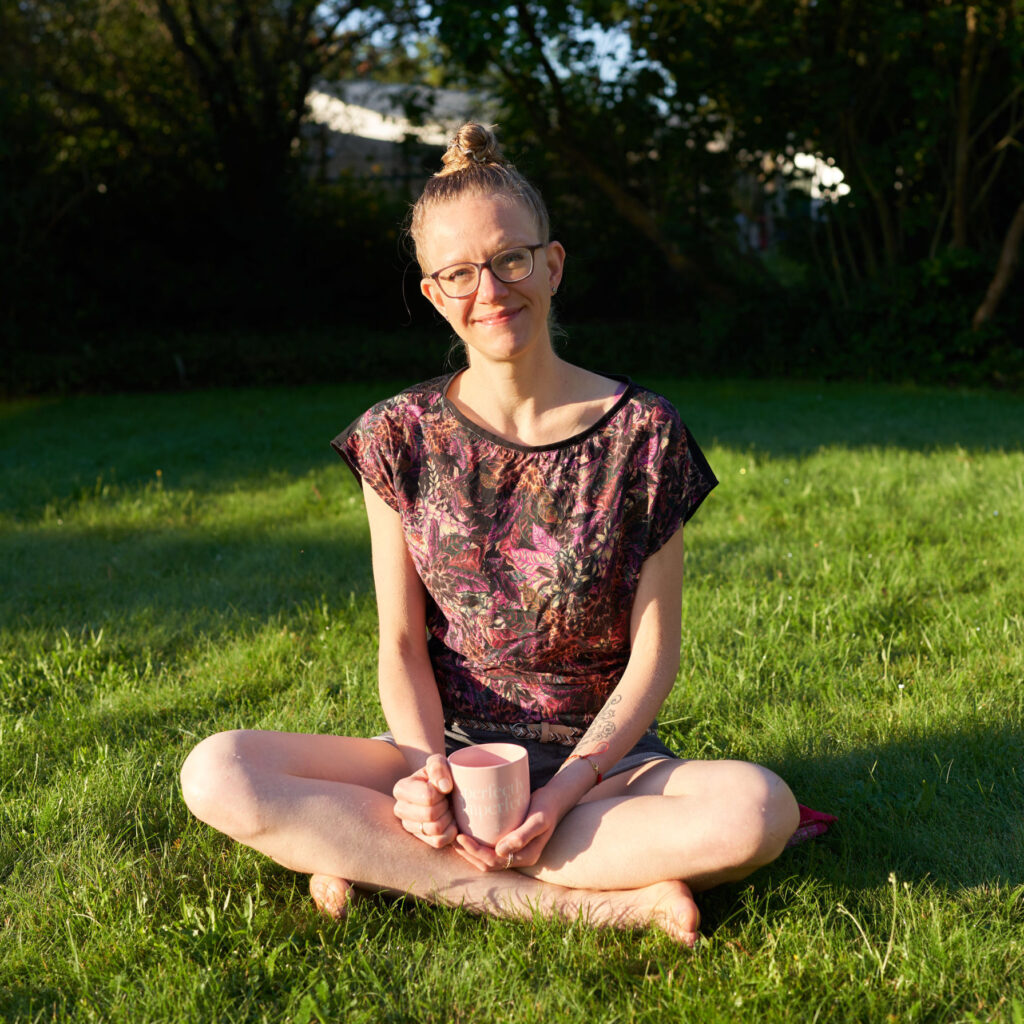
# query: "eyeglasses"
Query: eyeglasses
{"points": [[461, 280]]}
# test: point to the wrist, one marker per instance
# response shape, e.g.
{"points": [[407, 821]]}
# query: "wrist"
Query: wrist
{"points": [[416, 755], [591, 761], [575, 778], [565, 789]]}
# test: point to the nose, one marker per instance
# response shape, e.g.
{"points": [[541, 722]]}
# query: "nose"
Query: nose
{"points": [[489, 285]]}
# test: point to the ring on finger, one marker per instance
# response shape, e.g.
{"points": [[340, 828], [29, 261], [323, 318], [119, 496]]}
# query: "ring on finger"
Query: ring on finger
{"points": [[508, 863]]}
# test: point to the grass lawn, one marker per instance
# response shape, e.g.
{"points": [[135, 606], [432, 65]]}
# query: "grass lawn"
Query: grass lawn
{"points": [[171, 565]]}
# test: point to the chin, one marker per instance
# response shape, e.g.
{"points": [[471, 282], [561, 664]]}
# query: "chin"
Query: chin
{"points": [[498, 347], [505, 344]]}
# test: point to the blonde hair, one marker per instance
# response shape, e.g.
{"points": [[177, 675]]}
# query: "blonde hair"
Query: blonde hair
{"points": [[473, 165]]}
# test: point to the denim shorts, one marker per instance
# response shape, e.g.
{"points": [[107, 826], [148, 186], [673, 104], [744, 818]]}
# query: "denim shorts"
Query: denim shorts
{"points": [[547, 758]]}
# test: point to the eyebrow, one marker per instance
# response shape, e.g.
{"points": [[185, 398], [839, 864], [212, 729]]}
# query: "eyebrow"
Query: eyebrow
{"points": [[502, 248]]}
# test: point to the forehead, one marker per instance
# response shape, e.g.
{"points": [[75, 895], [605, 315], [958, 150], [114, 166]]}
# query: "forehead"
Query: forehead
{"points": [[475, 227]]}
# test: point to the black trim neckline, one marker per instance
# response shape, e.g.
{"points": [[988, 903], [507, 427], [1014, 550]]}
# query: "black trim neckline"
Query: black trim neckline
{"points": [[569, 442]]}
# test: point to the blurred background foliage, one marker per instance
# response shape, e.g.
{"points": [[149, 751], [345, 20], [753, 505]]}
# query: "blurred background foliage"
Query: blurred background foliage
{"points": [[160, 224]]}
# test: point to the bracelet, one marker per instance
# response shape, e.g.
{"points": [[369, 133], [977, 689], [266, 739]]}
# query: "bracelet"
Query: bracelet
{"points": [[593, 764]]}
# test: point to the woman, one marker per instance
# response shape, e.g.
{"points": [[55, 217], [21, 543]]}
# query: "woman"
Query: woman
{"points": [[526, 527]]}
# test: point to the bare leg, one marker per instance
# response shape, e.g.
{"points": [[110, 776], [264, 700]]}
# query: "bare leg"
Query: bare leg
{"points": [[708, 822], [247, 785], [322, 805]]}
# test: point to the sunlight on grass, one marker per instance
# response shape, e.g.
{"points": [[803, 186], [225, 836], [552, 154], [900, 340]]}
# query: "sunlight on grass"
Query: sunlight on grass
{"points": [[853, 617]]}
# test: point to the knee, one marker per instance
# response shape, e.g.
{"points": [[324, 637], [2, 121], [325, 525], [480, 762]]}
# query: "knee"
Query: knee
{"points": [[218, 786], [770, 815]]}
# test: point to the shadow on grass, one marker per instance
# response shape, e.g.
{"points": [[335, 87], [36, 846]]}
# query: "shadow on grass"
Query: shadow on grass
{"points": [[797, 418], [54, 449], [945, 806], [941, 810], [161, 583]]}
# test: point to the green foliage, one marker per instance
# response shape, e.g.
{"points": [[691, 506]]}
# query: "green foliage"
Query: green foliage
{"points": [[176, 265], [911, 325], [212, 94], [157, 177], [916, 326], [920, 106], [173, 565], [152, 177]]}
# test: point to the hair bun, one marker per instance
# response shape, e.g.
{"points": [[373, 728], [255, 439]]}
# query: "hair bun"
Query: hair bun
{"points": [[473, 166], [472, 144]]}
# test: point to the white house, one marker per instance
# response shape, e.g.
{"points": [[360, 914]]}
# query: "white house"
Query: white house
{"points": [[386, 131]]}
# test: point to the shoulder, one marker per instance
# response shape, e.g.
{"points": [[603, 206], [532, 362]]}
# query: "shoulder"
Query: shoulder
{"points": [[661, 437], [384, 447], [648, 411], [412, 403], [670, 461], [399, 415]]}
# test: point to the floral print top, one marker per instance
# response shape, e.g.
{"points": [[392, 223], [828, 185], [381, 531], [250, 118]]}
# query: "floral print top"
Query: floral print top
{"points": [[530, 556]]}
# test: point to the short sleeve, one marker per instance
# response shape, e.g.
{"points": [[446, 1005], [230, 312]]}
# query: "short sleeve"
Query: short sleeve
{"points": [[679, 480], [368, 447]]}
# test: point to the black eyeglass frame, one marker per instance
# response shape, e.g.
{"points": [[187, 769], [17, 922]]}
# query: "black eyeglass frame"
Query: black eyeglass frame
{"points": [[532, 249]]}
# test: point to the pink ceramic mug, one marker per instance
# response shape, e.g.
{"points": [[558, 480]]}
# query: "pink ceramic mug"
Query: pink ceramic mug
{"points": [[492, 789]]}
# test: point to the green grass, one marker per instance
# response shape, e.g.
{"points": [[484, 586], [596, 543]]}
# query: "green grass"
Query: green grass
{"points": [[854, 617]]}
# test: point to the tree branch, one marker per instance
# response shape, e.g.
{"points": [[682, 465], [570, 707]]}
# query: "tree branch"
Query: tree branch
{"points": [[877, 199], [1004, 270], [962, 147], [200, 72], [836, 265], [549, 72], [989, 181], [227, 74], [996, 111]]}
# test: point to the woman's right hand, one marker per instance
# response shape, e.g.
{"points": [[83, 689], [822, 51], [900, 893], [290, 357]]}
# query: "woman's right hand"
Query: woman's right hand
{"points": [[422, 803]]}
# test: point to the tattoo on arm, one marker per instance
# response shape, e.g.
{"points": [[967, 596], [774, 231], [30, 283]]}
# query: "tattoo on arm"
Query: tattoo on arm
{"points": [[602, 728]]}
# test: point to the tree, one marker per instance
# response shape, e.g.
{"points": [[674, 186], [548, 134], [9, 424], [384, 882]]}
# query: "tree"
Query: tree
{"points": [[1005, 267], [602, 126], [216, 89], [151, 148], [920, 104]]}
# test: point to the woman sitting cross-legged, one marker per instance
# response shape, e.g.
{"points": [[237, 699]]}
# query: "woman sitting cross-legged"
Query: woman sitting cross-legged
{"points": [[526, 521]]}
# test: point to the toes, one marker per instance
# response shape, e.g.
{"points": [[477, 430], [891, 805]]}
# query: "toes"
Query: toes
{"points": [[678, 913], [681, 935], [687, 915], [331, 895]]}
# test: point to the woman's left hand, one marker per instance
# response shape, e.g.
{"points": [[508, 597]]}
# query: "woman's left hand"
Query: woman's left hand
{"points": [[525, 843]]}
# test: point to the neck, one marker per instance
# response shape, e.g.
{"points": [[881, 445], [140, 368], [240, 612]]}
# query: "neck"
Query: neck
{"points": [[512, 396], [540, 399], [518, 388]]}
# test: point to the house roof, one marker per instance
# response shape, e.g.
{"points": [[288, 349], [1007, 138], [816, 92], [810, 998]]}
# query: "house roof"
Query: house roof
{"points": [[378, 110]]}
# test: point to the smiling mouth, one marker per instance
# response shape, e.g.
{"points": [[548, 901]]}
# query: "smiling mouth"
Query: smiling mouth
{"points": [[496, 318]]}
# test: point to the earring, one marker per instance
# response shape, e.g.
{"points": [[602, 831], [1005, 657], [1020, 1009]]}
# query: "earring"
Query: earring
{"points": [[554, 290]]}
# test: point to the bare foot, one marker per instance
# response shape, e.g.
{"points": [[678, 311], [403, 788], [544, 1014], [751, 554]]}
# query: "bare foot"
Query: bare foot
{"points": [[674, 910], [331, 895], [666, 905]]}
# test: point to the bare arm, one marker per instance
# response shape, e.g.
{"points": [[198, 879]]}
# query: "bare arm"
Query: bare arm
{"points": [[408, 690]]}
